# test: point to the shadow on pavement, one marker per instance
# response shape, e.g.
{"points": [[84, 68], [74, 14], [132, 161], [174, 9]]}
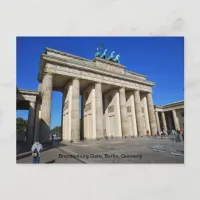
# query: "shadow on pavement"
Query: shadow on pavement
{"points": [[25, 148], [52, 161]]}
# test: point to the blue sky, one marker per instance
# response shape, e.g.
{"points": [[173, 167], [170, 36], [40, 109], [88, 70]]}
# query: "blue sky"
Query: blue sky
{"points": [[161, 59]]}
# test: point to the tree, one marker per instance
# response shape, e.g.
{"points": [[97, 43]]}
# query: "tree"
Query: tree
{"points": [[56, 130], [21, 124]]}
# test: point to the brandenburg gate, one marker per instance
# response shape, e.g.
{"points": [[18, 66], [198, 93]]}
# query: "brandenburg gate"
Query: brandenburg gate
{"points": [[115, 102]]}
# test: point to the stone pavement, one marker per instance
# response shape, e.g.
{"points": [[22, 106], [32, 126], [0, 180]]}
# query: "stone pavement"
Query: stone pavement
{"points": [[48, 155], [130, 150]]}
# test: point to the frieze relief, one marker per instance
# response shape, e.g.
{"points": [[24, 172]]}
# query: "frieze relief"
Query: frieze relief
{"points": [[66, 105], [111, 109], [103, 78], [110, 67], [71, 58], [87, 107], [129, 109]]}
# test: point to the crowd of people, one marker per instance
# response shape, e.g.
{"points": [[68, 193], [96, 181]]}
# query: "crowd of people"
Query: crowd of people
{"points": [[176, 133]]}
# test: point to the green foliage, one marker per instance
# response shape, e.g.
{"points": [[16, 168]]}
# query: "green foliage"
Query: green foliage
{"points": [[21, 124], [56, 130]]}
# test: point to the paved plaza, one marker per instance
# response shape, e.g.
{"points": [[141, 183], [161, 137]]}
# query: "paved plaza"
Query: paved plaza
{"points": [[126, 150]]}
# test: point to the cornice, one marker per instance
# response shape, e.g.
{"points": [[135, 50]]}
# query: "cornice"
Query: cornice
{"points": [[96, 59], [65, 54], [28, 92], [179, 103], [64, 62]]}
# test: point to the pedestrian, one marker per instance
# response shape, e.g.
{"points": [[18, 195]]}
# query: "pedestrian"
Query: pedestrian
{"points": [[178, 136], [161, 133], [148, 132], [182, 133], [164, 132], [36, 149], [52, 137]]}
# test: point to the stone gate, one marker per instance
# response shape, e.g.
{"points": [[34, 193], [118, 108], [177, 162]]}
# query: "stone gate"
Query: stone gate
{"points": [[115, 102]]}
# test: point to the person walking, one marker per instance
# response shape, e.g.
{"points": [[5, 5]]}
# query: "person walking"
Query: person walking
{"points": [[182, 133], [161, 133], [178, 136], [147, 133], [52, 137], [36, 150]]}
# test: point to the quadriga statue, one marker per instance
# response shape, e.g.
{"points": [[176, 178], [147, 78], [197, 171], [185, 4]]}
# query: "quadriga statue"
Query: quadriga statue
{"points": [[116, 59], [104, 54], [111, 57]]}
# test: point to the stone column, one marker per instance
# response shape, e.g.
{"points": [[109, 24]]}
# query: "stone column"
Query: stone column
{"points": [[157, 121], [99, 110], [170, 120], [176, 122], [31, 120], [152, 117], [46, 107], [146, 115], [164, 121], [135, 132], [123, 111], [62, 124], [138, 112], [82, 118], [40, 87], [37, 118], [75, 119], [104, 116]]}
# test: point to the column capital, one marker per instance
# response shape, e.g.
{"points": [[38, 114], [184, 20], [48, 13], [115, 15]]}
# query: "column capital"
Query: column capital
{"points": [[149, 94], [48, 73], [122, 89], [76, 78], [98, 82], [136, 91]]}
